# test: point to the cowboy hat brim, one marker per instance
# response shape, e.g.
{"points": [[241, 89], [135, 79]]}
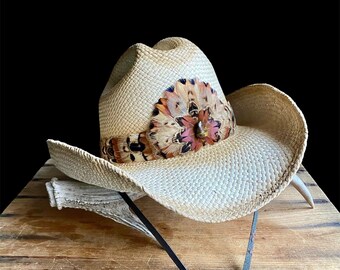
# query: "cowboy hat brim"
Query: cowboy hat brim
{"points": [[220, 182]]}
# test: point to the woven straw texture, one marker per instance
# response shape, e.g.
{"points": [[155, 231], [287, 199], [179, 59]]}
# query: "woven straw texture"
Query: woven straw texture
{"points": [[220, 182]]}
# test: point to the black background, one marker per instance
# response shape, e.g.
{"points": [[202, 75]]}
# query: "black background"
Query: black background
{"points": [[56, 60]]}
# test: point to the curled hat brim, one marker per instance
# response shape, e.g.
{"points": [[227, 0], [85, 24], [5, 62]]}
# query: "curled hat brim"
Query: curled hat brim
{"points": [[220, 182]]}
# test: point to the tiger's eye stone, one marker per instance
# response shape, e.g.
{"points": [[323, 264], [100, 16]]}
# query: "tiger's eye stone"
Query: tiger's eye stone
{"points": [[200, 130]]}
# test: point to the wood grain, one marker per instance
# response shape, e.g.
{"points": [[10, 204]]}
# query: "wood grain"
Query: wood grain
{"points": [[290, 235]]}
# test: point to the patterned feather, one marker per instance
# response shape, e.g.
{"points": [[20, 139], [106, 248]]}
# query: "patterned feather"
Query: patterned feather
{"points": [[135, 147], [163, 131]]}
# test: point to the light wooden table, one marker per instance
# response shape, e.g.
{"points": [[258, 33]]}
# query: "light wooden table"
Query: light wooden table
{"points": [[290, 235]]}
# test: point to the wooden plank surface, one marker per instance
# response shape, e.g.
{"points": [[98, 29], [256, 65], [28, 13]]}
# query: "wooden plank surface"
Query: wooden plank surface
{"points": [[290, 235]]}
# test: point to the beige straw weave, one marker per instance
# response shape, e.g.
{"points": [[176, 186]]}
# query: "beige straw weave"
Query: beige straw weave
{"points": [[224, 181]]}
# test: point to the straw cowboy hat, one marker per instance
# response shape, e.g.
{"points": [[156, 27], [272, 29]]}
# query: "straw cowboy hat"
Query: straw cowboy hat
{"points": [[167, 129]]}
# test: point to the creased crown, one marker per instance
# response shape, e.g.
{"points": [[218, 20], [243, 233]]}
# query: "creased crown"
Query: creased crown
{"points": [[139, 79]]}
